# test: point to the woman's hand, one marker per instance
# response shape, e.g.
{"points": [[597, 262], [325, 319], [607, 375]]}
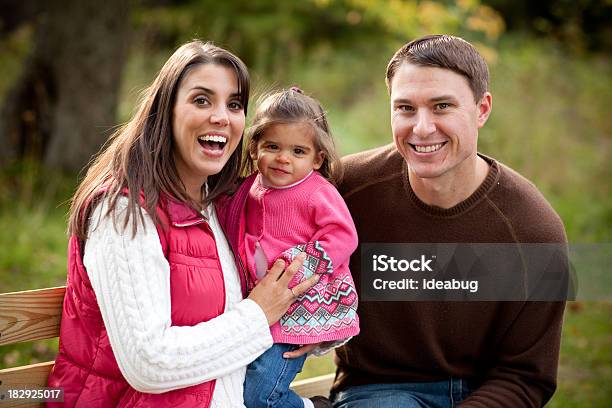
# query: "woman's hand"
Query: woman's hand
{"points": [[272, 293]]}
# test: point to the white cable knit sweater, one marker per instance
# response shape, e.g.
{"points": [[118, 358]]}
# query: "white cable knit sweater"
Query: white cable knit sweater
{"points": [[134, 298]]}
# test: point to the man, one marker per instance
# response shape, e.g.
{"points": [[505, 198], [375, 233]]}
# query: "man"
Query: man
{"points": [[431, 186]]}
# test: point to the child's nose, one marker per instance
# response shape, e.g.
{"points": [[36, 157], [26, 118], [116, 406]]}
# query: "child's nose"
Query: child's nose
{"points": [[282, 157]]}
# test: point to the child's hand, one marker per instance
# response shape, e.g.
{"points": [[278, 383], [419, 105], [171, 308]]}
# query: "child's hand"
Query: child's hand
{"points": [[301, 351], [272, 293]]}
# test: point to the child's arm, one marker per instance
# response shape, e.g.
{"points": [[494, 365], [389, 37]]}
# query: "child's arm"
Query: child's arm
{"points": [[336, 231], [335, 238], [332, 244]]}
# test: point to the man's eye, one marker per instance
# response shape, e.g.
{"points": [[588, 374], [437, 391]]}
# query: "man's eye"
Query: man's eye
{"points": [[405, 108], [442, 106]]}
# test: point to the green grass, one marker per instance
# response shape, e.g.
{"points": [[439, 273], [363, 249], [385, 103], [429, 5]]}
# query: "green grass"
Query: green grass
{"points": [[33, 210], [585, 366]]}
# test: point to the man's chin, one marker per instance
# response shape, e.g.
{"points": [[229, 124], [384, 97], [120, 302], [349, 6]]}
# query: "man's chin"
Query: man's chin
{"points": [[429, 173]]}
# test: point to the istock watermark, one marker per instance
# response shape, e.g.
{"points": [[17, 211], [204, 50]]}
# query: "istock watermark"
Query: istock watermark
{"points": [[484, 272]]}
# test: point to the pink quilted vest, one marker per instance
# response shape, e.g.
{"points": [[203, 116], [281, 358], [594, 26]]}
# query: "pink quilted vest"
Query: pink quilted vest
{"points": [[86, 367]]}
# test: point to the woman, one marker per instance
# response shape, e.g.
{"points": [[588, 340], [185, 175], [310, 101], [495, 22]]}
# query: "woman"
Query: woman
{"points": [[154, 312]]}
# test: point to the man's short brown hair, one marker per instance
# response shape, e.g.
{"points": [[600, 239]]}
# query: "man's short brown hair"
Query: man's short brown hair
{"points": [[444, 51]]}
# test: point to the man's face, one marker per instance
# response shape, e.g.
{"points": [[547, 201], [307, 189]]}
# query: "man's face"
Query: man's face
{"points": [[435, 120]]}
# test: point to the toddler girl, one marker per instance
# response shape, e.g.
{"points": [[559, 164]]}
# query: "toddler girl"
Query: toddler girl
{"points": [[285, 207]]}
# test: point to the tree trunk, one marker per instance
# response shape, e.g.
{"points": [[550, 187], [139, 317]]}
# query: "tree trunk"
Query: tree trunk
{"points": [[64, 105]]}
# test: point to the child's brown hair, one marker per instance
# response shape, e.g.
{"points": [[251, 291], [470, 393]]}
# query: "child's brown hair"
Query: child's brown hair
{"points": [[293, 106]]}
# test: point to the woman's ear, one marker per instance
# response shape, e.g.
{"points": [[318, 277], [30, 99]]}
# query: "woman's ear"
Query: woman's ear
{"points": [[318, 161]]}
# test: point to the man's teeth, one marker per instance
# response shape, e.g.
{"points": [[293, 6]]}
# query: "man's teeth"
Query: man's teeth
{"points": [[428, 149], [211, 138]]}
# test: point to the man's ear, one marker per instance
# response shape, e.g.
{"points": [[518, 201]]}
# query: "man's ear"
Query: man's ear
{"points": [[484, 108], [318, 161]]}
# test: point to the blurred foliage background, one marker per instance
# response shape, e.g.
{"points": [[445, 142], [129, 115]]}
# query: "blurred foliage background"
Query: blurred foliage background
{"points": [[71, 71]]}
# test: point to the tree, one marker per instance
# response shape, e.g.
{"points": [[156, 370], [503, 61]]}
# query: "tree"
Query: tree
{"points": [[63, 106]]}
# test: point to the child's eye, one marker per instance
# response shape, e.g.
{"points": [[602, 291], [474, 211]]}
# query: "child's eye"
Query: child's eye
{"points": [[271, 146], [299, 151]]}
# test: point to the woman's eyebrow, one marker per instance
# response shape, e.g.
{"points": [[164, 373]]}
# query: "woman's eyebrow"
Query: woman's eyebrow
{"points": [[202, 88], [211, 92]]}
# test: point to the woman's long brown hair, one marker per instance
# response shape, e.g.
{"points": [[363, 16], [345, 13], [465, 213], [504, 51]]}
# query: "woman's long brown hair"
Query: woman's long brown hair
{"points": [[138, 157]]}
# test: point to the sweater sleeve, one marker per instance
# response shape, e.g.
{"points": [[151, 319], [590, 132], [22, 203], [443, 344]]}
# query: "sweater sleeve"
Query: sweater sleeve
{"points": [[525, 369], [525, 374], [336, 231], [131, 279]]}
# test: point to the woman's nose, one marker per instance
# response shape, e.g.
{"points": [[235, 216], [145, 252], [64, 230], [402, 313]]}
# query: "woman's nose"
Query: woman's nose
{"points": [[220, 116]]}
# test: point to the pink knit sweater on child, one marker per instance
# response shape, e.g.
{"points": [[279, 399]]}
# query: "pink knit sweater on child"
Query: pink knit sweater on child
{"points": [[309, 216]]}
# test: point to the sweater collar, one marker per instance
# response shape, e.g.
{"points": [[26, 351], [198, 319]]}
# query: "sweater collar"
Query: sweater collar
{"points": [[488, 183], [264, 183]]}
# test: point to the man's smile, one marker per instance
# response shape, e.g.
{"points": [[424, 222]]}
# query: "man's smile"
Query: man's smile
{"points": [[430, 148]]}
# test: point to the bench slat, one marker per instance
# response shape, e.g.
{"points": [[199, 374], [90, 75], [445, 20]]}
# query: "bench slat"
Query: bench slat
{"points": [[30, 315], [35, 376], [29, 377], [311, 387]]}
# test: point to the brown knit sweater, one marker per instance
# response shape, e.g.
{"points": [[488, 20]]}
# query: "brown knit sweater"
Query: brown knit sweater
{"points": [[510, 349]]}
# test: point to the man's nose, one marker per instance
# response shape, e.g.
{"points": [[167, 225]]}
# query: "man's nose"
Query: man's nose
{"points": [[424, 125]]}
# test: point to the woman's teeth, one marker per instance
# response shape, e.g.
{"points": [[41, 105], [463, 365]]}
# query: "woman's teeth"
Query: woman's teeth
{"points": [[210, 138], [212, 141], [428, 149]]}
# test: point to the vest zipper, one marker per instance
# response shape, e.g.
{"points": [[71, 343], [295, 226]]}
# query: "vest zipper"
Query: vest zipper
{"points": [[188, 224]]}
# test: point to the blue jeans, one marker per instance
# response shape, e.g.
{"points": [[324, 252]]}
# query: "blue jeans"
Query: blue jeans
{"points": [[439, 394], [268, 378]]}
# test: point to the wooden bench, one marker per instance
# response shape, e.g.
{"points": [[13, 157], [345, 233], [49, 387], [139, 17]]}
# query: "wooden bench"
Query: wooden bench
{"points": [[36, 314]]}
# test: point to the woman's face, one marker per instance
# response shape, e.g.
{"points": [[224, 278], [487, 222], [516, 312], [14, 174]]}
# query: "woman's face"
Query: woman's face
{"points": [[208, 121]]}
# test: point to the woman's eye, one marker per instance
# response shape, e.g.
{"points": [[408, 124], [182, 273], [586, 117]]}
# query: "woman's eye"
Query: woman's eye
{"points": [[235, 106], [200, 100]]}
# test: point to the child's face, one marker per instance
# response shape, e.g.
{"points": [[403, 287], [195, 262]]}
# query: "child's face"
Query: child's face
{"points": [[286, 153]]}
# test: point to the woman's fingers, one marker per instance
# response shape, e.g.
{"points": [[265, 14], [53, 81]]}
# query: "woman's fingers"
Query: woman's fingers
{"points": [[303, 286], [277, 269], [272, 293], [291, 270]]}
